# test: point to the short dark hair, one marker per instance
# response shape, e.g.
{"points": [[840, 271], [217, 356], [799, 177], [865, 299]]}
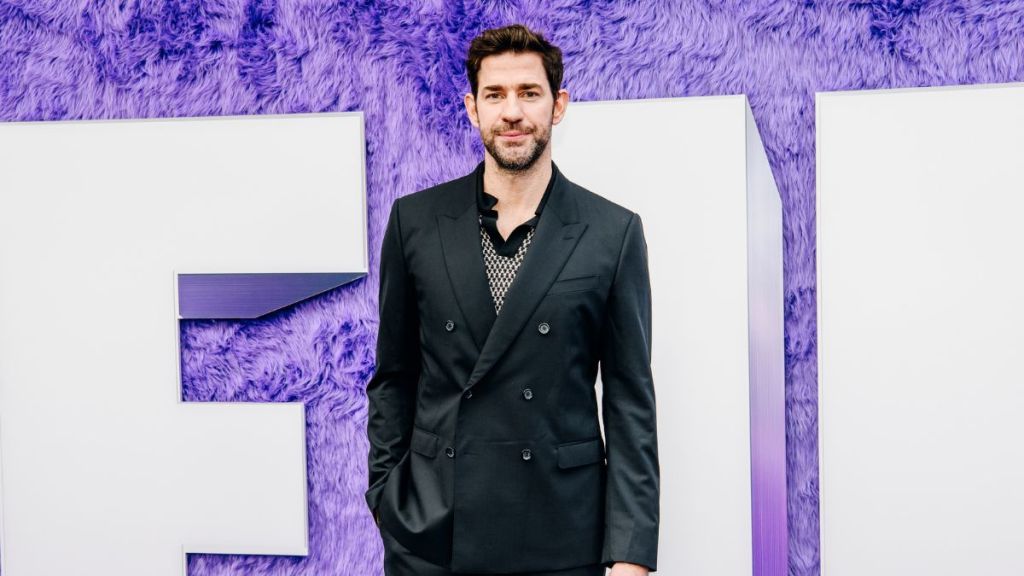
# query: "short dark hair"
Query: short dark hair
{"points": [[514, 38]]}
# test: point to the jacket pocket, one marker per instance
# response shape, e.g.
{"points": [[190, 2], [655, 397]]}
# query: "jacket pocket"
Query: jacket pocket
{"points": [[574, 284], [579, 453], [423, 442]]}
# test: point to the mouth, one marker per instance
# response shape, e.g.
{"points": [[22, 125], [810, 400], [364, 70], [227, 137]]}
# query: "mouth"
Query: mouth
{"points": [[513, 135]]}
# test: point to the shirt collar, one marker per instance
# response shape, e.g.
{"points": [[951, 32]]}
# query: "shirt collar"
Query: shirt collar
{"points": [[485, 202]]}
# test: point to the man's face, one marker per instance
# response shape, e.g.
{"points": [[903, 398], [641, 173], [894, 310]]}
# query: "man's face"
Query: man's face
{"points": [[514, 108]]}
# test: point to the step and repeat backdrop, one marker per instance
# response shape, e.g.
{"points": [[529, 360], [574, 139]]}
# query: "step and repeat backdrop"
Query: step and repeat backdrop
{"points": [[278, 207], [920, 194], [104, 223], [192, 199]]}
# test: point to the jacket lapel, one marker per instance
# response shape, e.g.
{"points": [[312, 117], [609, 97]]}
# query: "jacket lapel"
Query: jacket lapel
{"points": [[554, 239], [556, 236], [463, 257]]}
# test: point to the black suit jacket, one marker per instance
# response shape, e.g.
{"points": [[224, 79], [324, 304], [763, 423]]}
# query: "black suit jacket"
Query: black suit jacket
{"points": [[486, 452]]}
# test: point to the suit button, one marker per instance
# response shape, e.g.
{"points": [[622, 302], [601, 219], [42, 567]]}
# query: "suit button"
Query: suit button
{"points": [[449, 325], [543, 328], [450, 452], [526, 454], [468, 394], [527, 393]]}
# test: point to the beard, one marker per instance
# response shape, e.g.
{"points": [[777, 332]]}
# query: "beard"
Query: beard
{"points": [[519, 157]]}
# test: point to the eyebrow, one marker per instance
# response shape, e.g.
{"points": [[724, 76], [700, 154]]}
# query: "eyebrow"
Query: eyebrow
{"points": [[523, 86]]}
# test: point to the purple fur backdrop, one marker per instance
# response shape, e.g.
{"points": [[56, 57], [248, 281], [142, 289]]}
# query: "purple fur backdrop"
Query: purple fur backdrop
{"points": [[401, 64]]}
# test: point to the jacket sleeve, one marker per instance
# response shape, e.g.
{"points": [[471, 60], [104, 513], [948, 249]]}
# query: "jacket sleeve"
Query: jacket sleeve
{"points": [[628, 411], [391, 391]]}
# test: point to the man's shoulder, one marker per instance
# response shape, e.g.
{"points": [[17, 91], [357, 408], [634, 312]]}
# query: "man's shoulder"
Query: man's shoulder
{"points": [[596, 208], [438, 198], [453, 196]]}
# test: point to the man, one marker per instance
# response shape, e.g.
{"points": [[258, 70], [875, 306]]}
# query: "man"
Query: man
{"points": [[501, 293]]}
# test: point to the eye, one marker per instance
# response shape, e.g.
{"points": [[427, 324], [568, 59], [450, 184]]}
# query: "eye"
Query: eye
{"points": [[491, 96]]}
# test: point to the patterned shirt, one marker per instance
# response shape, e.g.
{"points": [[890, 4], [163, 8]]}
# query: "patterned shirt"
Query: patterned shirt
{"points": [[502, 257]]}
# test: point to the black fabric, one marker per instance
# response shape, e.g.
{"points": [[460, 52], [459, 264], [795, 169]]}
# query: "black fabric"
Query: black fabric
{"points": [[486, 452], [400, 561], [489, 216]]}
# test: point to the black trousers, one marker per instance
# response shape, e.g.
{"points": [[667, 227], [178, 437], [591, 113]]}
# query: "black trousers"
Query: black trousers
{"points": [[399, 561]]}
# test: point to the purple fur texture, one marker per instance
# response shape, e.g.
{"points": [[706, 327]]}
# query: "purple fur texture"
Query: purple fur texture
{"points": [[400, 62]]}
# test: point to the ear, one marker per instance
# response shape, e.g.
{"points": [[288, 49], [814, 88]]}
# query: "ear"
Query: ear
{"points": [[470, 103], [561, 103]]}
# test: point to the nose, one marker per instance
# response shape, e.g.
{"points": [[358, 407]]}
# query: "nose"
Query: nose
{"points": [[511, 111]]}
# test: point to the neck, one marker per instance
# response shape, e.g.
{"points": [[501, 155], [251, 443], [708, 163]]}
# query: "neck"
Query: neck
{"points": [[517, 190]]}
